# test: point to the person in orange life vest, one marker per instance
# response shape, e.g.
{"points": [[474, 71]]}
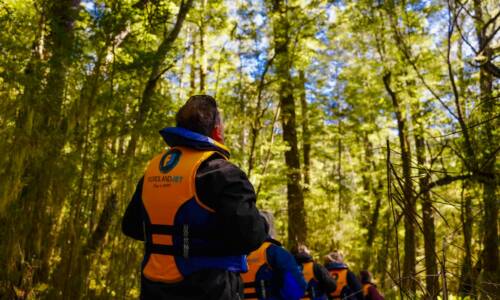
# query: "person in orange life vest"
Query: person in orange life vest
{"points": [[273, 273], [348, 286], [370, 291], [319, 281], [195, 212]]}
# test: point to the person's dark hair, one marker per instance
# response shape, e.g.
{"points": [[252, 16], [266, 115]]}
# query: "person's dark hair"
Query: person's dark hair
{"points": [[300, 249], [198, 114], [365, 276]]}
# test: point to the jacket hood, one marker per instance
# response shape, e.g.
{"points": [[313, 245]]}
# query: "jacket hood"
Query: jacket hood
{"points": [[178, 136], [273, 241], [303, 257], [336, 265]]}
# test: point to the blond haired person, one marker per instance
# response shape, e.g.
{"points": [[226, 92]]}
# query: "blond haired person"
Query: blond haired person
{"points": [[348, 286]]}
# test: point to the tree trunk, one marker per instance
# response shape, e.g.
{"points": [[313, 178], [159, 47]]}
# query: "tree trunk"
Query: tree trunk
{"points": [[192, 72], [71, 275], [431, 268], [339, 168], [372, 228], [241, 105], [296, 214], [94, 241], [11, 174], [157, 70], [491, 271], [467, 284], [306, 135], [258, 115], [201, 65], [383, 257], [32, 81], [409, 272], [49, 132], [368, 220], [467, 278]]}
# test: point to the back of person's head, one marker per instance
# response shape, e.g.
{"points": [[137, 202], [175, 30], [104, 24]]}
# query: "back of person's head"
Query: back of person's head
{"points": [[300, 249], [269, 217], [365, 276], [198, 114], [334, 257]]}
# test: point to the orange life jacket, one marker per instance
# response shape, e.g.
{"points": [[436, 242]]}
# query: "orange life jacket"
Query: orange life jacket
{"points": [[312, 291], [256, 285], [178, 227], [340, 275], [366, 286]]}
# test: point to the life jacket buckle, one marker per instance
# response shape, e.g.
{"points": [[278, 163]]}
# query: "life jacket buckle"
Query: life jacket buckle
{"points": [[185, 247], [263, 288]]}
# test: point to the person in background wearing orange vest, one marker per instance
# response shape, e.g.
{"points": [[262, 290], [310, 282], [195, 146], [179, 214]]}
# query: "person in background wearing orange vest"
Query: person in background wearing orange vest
{"points": [[348, 286], [370, 291], [272, 271], [319, 281], [195, 212]]}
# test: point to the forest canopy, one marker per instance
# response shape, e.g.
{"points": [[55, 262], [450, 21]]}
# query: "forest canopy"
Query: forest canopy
{"points": [[371, 127]]}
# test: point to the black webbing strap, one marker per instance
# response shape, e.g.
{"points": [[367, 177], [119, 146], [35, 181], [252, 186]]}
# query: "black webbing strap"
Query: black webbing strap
{"points": [[193, 232], [251, 296], [164, 249], [171, 250], [162, 229], [310, 293], [251, 284], [183, 231], [309, 296], [263, 284], [186, 233]]}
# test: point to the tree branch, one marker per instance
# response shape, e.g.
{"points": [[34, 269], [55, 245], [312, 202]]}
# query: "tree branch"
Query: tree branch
{"points": [[102, 226]]}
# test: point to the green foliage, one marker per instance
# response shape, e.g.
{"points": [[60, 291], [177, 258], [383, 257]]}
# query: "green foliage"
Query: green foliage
{"points": [[62, 161]]}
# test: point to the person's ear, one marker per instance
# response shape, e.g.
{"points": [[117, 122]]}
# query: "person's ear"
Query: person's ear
{"points": [[217, 134]]}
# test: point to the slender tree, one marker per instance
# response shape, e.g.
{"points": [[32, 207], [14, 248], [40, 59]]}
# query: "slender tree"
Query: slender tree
{"points": [[490, 186], [297, 231], [408, 200]]}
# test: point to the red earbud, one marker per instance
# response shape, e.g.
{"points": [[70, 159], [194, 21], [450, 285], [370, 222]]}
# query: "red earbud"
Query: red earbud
{"points": [[217, 134]]}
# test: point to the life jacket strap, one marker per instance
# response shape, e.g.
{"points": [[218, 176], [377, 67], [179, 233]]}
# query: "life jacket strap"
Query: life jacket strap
{"points": [[164, 249], [171, 230], [264, 287], [253, 284], [180, 230], [185, 232], [185, 251], [251, 296], [311, 293], [249, 284]]}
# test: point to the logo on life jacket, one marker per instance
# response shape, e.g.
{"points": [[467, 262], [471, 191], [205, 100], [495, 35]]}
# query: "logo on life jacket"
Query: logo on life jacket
{"points": [[169, 160]]}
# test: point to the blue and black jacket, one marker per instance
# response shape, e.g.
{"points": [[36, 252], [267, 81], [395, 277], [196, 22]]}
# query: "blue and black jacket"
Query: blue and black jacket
{"points": [[353, 289], [273, 274], [224, 188], [322, 283]]}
